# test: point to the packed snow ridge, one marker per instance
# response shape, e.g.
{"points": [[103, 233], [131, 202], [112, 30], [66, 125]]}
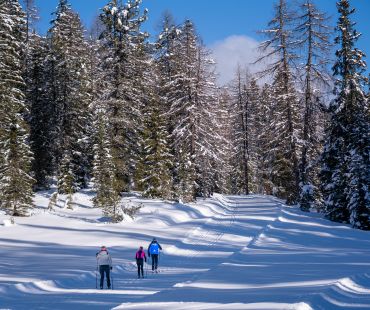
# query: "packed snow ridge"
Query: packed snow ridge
{"points": [[225, 252]]}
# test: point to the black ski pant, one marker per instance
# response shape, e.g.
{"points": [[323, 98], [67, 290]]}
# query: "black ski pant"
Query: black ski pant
{"points": [[154, 261], [140, 267], [104, 269]]}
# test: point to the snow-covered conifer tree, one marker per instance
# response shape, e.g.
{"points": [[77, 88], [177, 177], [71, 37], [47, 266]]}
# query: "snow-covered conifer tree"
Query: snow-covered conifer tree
{"points": [[39, 120], [284, 147], [265, 130], [124, 59], [167, 66], [188, 89], [345, 159], [70, 97], [313, 35], [166, 56], [182, 106], [206, 133], [248, 118], [154, 168], [254, 98], [104, 177], [240, 120], [15, 159], [223, 169]]}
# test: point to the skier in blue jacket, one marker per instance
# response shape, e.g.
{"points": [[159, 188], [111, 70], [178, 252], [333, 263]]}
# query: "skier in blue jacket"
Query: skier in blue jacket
{"points": [[153, 252]]}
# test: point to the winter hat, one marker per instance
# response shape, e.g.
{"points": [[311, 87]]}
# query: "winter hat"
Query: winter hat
{"points": [[154, 239]]}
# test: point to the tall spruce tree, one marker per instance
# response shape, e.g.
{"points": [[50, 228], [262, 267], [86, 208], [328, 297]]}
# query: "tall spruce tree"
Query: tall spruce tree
{"points": [[345, 159], [70, 97], [154, 169], [15, 159], [104, 177], [124, 60], [254, 98], [265, 131], [285, 148], [223, 170], [165, 50], [39, 120], [240, 119], [207, 155], [167, 66], [189, 91], [104, 174], [182, 106], [313, 35]]}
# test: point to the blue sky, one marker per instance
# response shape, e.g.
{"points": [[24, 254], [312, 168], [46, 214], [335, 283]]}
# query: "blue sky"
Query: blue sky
{"points": [[215, 20]]}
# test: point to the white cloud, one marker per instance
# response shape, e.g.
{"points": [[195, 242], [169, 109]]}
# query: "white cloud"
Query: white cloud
{"points": [[234, 50]]}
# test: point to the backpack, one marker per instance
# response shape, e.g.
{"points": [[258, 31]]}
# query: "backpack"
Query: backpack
{"points": [[140, 255], [154, 248]]}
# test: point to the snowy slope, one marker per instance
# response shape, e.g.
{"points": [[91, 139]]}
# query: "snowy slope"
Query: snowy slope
{"points": [[221, 253]]}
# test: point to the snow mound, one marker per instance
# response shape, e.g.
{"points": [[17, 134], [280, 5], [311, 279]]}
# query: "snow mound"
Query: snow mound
{"points": [[9, 222]]}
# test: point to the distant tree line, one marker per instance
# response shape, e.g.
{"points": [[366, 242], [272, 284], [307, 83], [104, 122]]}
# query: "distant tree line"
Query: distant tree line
{"points": [[130, 113]]}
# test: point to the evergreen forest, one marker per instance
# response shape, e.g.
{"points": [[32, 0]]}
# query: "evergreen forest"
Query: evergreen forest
{"points": [[122, 110]]}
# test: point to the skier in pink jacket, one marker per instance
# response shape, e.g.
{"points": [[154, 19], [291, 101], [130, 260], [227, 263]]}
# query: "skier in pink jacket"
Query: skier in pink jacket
{"points": [[140, 258]]}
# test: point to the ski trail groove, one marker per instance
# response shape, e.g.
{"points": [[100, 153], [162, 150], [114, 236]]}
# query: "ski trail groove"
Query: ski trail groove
{"points": [[227, 204]]}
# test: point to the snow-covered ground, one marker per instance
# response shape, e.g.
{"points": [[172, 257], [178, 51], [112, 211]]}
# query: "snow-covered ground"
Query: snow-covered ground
{"points": [[230, 252]]}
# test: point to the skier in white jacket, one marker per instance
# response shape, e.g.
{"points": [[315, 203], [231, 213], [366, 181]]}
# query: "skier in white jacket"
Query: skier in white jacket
{"points": [[104, 261]]}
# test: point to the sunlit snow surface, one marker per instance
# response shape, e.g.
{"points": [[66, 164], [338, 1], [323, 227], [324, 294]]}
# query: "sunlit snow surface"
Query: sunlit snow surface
{"points": [[227, 252]]}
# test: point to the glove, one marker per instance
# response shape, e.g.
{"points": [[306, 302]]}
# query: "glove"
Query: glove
{"points": [[111, 268]]}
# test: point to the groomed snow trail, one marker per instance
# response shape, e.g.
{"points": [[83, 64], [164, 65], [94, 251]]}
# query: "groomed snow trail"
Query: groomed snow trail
{"points": [[227, 252]]}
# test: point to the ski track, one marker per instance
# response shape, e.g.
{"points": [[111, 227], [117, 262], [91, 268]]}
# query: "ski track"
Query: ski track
{"points": [[323, 293], [76, 285], [227, 203], [229, 236]]}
